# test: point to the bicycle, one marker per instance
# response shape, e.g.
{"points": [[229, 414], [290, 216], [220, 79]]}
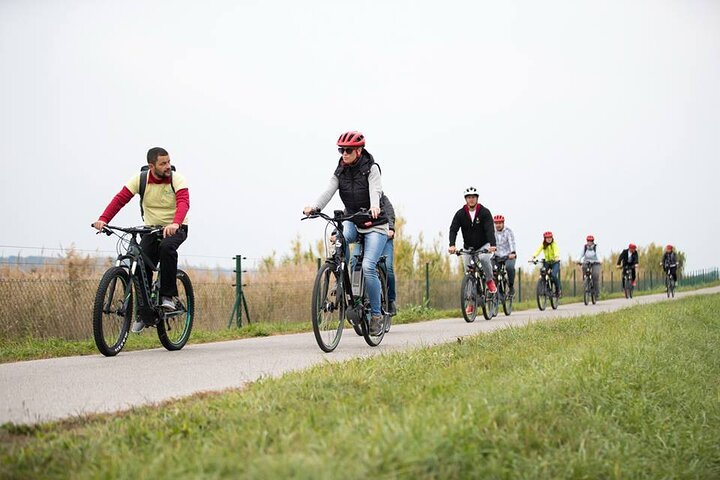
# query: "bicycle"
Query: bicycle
{"points": [[588, 283], [124, 289], [670, 281], [627, 283], [473, 289], [503, 284], [546, 288], [340, 294]]}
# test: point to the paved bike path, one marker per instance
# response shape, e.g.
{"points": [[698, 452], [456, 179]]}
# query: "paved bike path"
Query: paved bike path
{"points": [[43, 390]]}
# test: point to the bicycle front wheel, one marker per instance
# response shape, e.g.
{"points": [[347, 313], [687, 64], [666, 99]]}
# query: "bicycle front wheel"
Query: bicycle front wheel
{"points": [[588, 293], [112, 311], [174, 329], [507, 298], [672, 288], [540, 295], [328, 309], [468, 298]]}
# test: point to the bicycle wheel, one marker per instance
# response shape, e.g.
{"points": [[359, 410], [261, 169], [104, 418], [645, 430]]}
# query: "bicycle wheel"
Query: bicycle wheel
{"points": [[594, 295], [328, 308], [672, 288], [540, 295], [468, 297], [174, 328], [507, 299], [112, 311], [588, 293], [374, 340], [493, 304], [554, 296], [626, 288]]}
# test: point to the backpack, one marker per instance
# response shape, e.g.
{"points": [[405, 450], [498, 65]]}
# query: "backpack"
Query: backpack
{"points": [[143, 184]]}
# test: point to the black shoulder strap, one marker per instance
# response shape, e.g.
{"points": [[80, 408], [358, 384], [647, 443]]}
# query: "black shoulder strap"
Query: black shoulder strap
{"points": [[141, 191]]}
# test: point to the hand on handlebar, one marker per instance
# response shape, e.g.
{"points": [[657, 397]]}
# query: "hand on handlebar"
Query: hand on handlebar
{"points": [[307, 211], [99, 225], [452, 249]]}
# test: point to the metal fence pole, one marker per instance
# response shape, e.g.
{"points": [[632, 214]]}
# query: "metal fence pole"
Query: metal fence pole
{"points": [[612, 275], [240, 301], [426, 300], [574, 285], [519, 284]]}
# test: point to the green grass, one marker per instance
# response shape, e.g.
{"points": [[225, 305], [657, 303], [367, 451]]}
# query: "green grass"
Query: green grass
{"points": [[632, 394]]}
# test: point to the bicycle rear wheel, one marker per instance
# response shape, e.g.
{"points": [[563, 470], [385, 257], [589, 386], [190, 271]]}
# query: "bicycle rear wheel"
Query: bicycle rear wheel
{"points": [[174, 328], [328, 309], [374, 340], [540, 295], [468, 297], [112, 311], [587, 293], [507, 298]]}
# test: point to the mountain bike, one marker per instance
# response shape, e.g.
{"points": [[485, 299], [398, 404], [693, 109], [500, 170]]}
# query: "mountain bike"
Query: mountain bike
{"points": [[546, 288], [670, 281], [125, 289], [503, 284], [588, 283], [473, 289], [339, 291], [627, 284]]}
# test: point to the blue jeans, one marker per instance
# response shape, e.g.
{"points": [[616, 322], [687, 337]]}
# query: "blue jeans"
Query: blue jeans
{"points": [[389, 253], [373, 249]]}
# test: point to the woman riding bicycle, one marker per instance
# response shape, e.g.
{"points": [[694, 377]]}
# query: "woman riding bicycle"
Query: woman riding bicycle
{"points": [[590, 257], [669, 262], [357, 178], [551, 254]]}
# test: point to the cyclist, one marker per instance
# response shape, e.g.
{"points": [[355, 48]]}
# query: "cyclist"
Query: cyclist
{"points": [[590, 256], [476, 223], [163, 208], [506, 248], [629, 259], [357, 178], [551, 254], [389, 251], [669, 262]]}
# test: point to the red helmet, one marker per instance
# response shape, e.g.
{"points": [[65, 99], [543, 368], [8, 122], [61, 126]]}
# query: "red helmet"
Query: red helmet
{"points": [[351, 139], [499, 219], [590, 238], [632, 246], [669, 247], [547, 234]]}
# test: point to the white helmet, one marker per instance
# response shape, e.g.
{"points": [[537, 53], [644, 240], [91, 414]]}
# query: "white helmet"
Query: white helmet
{"points": [[470, 191]]}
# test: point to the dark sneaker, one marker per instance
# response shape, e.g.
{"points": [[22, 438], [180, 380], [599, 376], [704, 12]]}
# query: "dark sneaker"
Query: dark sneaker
{"points": [[512, 290], [393, 309], [376, 325]]}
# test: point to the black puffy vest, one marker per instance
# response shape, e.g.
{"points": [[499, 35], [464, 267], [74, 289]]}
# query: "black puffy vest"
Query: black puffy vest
{"points": [[354, 184]]}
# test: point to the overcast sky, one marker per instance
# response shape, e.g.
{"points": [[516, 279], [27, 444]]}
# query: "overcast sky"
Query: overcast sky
{"points": [[570, 116]]}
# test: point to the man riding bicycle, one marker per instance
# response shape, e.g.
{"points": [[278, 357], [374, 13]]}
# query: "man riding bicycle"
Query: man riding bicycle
{"points": [[357, 178], [629, 259], [551, 254], [476, 223], [669, 262], [165, 202], [506, 248], [590, 258]]}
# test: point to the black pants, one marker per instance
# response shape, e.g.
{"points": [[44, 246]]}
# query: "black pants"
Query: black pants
{"points": [[673, 273], [164, 250]]}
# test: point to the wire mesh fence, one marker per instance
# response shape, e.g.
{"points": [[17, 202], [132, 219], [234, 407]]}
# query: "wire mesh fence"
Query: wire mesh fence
{"points": [[62, 308]]}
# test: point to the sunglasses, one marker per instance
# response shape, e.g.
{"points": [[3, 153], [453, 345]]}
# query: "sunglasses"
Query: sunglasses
{"points": [[346, 149]]}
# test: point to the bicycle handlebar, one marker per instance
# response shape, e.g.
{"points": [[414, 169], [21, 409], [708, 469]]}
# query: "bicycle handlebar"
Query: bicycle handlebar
{"points": [[472, 251], [142, 230], [339, 215]]}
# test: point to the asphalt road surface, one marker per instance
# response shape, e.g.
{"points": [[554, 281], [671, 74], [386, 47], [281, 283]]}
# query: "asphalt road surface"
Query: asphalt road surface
{"points": [[44, 390]]}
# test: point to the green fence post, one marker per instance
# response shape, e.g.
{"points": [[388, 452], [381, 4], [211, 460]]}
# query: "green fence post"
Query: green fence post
{"points": [[602, 280], [612, 275], [519, 284], [574, 285], [426, 300], [240, 302], [651, 282]]}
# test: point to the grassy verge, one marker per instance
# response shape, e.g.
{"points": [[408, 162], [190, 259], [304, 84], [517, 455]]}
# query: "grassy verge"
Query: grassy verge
{"points": [[632, 394], [12, 350]]}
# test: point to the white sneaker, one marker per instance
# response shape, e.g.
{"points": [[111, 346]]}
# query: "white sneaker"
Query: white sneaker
{"points": [[137, 326], [168, 303]]}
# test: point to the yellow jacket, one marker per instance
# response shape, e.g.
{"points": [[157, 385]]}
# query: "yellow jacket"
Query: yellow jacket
{"points": [[551, 252]]}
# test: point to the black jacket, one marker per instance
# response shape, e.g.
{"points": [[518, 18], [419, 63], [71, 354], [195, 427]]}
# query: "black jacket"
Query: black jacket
{"points": [[669, 258], [354, 185], [475, 233], [628, 259]]}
